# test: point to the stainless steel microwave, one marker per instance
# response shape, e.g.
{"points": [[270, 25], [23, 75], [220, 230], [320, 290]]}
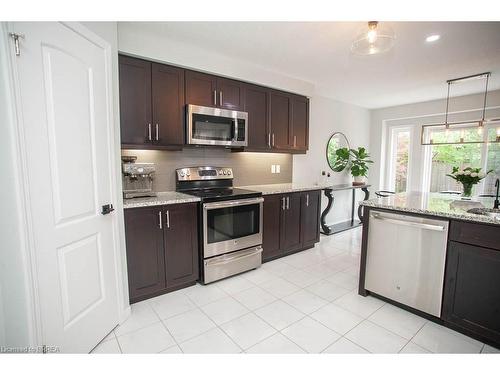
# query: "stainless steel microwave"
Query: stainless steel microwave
{"points": [[216, 127]]}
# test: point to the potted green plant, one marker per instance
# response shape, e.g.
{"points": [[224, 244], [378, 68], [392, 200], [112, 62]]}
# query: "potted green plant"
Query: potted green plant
{"points": [[468, 177], [360, 160]]}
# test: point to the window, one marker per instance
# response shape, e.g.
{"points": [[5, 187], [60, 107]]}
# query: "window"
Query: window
{"points": [[444, 157], [400, 159]]}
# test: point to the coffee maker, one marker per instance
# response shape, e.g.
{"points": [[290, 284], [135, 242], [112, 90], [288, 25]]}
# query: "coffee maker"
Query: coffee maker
{"points": [[137, 178]]}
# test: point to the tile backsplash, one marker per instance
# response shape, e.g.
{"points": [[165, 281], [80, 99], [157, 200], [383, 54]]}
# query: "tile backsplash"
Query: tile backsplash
{"points": [[249, 167]]}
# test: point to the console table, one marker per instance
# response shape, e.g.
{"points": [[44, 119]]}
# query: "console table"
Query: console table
{"points": [[352, 223]]}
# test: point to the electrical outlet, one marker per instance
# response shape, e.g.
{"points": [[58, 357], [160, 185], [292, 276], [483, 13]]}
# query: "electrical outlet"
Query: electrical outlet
{"points": [[273, 168], [278, 168]]}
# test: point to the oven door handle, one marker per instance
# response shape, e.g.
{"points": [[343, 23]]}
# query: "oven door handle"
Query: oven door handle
{"points": [[242, 202], [230, 259]]}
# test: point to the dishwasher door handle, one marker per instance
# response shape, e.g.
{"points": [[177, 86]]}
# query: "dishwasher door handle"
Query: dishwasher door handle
{"points": [[438, 228]]}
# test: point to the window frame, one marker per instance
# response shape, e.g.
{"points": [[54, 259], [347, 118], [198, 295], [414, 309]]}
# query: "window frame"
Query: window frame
{"points": [[391, 175]]}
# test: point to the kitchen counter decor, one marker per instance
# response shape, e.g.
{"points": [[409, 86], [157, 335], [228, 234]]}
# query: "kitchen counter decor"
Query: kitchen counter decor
{"points": [[468, 177]]}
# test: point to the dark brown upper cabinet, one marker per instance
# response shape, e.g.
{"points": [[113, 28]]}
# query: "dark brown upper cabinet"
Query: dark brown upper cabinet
{"points": [[211, 91], [168, 104], [280, 112], [135, 100], [300, 123], [201, 89], [257, 106], [151, 104]]}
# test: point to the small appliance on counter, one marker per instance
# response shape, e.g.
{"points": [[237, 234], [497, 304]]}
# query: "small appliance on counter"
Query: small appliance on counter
{"points": [[230, 222], [137, 178]]}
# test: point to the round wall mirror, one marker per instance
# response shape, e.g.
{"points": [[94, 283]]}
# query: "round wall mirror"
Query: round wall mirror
{"points": [[337, 152]]}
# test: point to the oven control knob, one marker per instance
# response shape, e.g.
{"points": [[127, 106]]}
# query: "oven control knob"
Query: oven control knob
{"points": [[229, 172], [220, 173], [182, 174], [225, 172]]}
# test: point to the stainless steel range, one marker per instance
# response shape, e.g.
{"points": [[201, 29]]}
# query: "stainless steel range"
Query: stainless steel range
{"points": [[230, 221]]}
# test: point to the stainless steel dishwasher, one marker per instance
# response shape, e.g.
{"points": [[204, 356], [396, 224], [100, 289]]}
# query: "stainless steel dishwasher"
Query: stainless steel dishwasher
{"points": [[406, 259]]}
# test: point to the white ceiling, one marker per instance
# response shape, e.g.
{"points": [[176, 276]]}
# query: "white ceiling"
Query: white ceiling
{"points": [[319, 52]]}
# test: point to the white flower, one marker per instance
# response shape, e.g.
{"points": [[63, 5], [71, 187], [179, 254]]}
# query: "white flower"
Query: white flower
{"points": [[481, 175], [466, 173], [459, 173], [473, 174]]}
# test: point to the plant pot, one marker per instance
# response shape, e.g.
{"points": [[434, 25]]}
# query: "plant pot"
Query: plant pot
{"points": [[359, 180]]}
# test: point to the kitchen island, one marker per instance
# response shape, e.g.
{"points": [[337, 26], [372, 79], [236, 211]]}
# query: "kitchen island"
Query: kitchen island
{"points": [[426, 253]]}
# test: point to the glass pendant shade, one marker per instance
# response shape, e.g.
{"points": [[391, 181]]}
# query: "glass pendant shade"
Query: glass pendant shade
{"points": [[373, 40]]}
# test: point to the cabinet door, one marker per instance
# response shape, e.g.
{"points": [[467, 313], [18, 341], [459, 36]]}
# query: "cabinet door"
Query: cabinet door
{"points": [[201, 89], [280, 111], [257, 104], [471, 291], [290, 226], [181, 243], [168, 104], [300, 123], [145, 255], [230, 94], [273, 209], [311, 203], [135, 100]]}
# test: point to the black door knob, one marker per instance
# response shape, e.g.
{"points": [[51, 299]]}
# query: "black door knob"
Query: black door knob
{"points": [[107, 209]]}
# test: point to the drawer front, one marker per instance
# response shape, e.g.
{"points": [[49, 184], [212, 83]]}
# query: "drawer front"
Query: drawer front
{"points": [[476, 234], [231, 264]]}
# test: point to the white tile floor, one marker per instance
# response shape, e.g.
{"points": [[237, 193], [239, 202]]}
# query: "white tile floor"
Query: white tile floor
{"points": [[303, 303]]}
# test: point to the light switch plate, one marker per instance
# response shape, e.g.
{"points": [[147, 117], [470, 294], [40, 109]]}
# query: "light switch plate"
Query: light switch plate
{"points": [[273, 168], [278, 168]]}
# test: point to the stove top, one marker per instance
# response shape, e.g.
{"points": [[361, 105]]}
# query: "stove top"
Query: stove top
{"points": [[220, 194]]}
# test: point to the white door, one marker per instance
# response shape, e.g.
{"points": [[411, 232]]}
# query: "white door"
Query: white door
{"points": [[65, 90]]}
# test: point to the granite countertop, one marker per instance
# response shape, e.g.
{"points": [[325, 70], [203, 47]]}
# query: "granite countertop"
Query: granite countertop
{"points": [[284, 188], [435, 204], [162, 198]]}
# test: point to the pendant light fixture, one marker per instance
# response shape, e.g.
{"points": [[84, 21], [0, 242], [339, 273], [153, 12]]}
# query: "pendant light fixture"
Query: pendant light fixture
{"points": [[373, 40], [476, 131]]}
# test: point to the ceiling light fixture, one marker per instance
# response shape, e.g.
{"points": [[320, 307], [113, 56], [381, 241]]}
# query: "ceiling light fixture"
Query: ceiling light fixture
{"points": [[432, 38], [373, 40]]}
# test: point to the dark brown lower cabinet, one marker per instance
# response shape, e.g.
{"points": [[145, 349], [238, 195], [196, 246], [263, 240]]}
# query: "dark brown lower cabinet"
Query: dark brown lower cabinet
{"points": [[471, 297], [311, 206], [290, 225], [162, 249]]}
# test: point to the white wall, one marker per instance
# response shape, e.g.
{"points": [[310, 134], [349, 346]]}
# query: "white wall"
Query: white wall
{"points": [[462, 108], [326, 117]]}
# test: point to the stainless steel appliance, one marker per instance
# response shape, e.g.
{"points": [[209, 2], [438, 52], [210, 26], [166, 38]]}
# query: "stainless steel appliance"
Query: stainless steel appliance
{"points": [[230, 221], [137, 178], [406, 259], [216, 127]]}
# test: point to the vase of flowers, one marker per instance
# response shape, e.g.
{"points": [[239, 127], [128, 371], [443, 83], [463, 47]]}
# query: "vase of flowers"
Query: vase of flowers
{"points": [[468, 177]]}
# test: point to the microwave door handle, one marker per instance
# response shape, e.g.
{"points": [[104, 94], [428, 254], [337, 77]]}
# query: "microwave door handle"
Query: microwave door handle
{"points": [[235, 122]]}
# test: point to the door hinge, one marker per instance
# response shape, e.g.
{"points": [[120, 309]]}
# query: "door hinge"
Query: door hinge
{"points": [[15, 37]]}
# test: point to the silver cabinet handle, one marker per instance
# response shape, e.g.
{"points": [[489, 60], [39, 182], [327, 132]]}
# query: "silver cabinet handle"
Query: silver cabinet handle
{"points": [[287, 203], [168, 219], [283, 203], [273, 139], [307, 200], [160, 224], [157, 132], [269, 139], [220, 97], [294, 141], [438, 228], [149, 132], [215, 97]]}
